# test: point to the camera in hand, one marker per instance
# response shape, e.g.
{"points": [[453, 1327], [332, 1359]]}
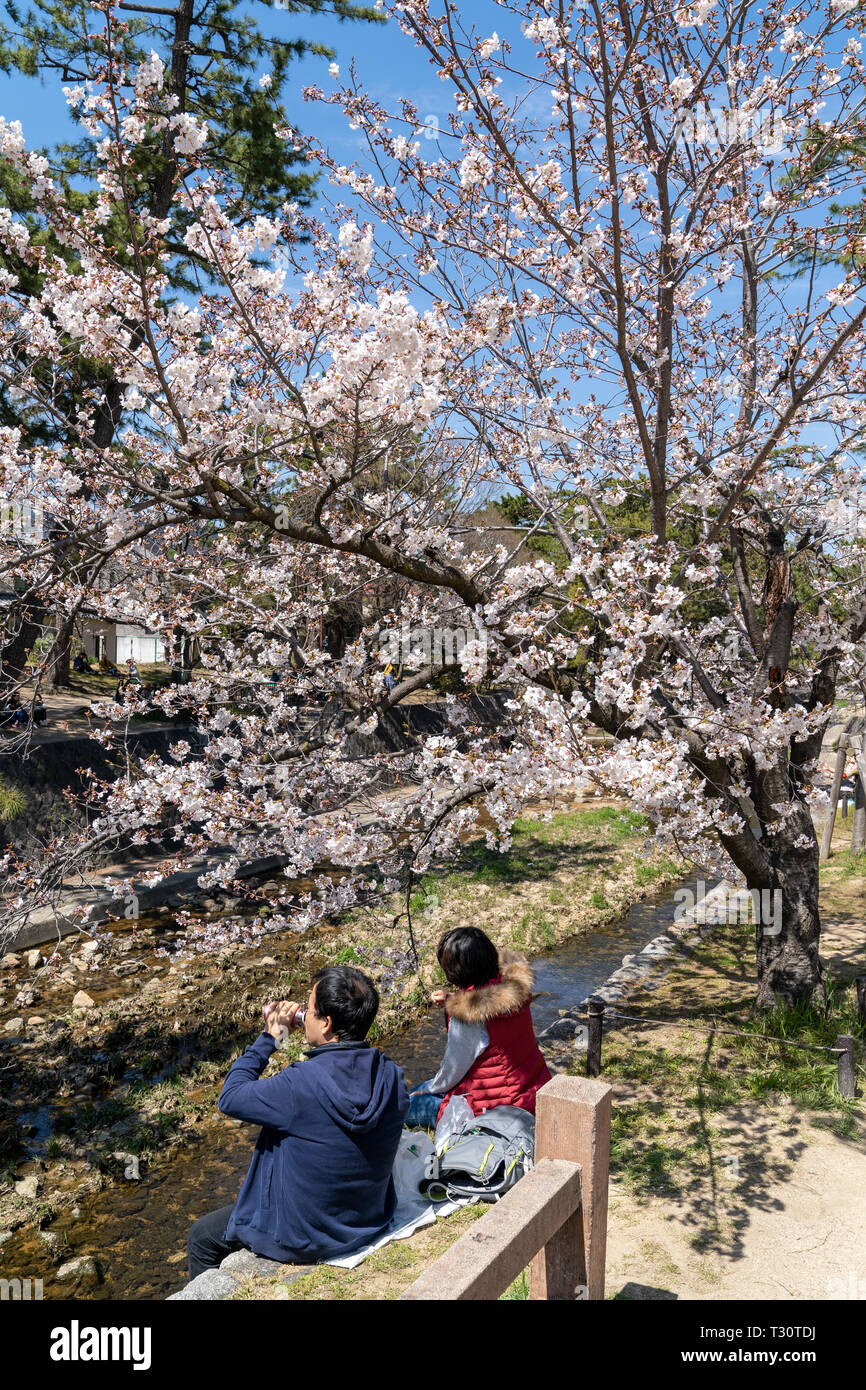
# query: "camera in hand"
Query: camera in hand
{"points": [[297, 1022]]}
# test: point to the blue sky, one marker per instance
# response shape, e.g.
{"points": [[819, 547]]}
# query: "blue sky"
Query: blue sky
{"points": [[388, 63]]}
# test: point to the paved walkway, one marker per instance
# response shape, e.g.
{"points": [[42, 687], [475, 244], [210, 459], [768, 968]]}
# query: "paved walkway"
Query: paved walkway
{"points": [[67, 718]]}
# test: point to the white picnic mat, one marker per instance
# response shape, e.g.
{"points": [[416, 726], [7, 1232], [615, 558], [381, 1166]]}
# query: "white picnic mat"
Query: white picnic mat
{"points": [[414, 1209]]}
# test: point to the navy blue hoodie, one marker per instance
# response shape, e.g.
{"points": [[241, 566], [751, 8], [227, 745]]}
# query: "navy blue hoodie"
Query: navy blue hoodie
{"points": [[320, 1184]]}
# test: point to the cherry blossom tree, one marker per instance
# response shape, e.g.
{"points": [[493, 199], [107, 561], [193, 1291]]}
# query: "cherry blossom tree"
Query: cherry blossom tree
{"points": [[609, 279]]}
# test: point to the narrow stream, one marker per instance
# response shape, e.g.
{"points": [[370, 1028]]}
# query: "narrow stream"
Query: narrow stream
{"points": [[137, 1230]]}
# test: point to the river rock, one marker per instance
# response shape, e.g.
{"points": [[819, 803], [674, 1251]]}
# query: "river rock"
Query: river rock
{"points": [[267, 960], [208, 1287], [562, 1029], [611, 994], [659, 946], [90, 948], [13, 1025], [27, 1188], [83, 1001], [35, 959], [83, 1270], [51, 1240], [35, 1019], [10, 961], [4, 1236]]}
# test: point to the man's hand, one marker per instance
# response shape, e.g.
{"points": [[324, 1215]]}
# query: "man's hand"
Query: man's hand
{"points": [[439, 996], [279, 1015]]}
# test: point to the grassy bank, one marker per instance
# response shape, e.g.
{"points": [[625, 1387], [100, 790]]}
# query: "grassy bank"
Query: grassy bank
{"points": [[562, 876]]}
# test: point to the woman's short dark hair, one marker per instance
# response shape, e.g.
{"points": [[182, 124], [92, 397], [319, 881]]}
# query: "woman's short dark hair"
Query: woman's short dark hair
{"points": [[468, 957], [348, 998]]}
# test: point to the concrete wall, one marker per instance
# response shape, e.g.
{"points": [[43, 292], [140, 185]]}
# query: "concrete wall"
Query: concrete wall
{"points": [[55, 778]]}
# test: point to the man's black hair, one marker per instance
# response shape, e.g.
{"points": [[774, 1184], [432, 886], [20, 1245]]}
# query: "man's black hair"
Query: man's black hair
{"points": [[468, 957], [348, 998]]}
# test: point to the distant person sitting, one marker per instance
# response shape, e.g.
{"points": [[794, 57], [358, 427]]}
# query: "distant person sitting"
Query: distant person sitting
{"points": [[491, 1056], [81, 663], [320, 1183], [23, 715], [133, 673], [389, 678]]}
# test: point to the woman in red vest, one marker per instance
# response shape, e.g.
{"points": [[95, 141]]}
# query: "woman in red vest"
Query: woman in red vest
{"points": [[491, 1056]]}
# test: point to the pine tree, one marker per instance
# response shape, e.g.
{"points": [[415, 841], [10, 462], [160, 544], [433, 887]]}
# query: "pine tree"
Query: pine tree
{"points": [[214, 52]]}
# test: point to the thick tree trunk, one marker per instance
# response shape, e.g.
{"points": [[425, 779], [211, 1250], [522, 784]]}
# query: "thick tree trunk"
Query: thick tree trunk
{"points": [[788, 927], [22, 628], [58, 668]]}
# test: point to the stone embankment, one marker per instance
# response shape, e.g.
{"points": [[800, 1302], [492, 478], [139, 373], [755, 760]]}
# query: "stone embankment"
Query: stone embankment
{"points": [[646, 968]]}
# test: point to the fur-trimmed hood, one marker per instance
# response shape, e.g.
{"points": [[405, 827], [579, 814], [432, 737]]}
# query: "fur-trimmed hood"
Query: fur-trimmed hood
{"points": [[507, 996]]}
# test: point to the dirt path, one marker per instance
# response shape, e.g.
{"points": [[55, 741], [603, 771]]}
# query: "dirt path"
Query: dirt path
{"points": [[757, 1200], [793, 1225]]}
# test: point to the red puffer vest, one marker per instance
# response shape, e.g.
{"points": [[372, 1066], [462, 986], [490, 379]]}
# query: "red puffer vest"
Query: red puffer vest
{"points": [[511, 1071]]}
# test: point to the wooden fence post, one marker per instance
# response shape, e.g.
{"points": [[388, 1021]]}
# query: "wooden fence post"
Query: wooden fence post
{"points": [[860, 986], [595, 1009], [858, 829], [838, 773], [573, 1122], [847, 1081]]}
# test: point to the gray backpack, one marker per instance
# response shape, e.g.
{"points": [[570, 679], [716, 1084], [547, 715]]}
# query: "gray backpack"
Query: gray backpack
{"points": [[485, 1159]]}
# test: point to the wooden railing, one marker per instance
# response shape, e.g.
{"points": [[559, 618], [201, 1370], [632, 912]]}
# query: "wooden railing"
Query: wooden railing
{"points": [[554, 1219]]}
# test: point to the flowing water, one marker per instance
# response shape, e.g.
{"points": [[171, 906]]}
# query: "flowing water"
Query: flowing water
{"points": [[137, 1230]]}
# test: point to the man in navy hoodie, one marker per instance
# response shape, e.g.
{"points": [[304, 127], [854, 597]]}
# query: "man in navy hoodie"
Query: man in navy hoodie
{"points": [[319, 1185]]}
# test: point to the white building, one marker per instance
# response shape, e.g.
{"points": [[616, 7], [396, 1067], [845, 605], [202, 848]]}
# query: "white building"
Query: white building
{"points": [[118, 642]]}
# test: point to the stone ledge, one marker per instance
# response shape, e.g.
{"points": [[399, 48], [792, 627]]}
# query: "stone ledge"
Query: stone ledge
{"points": [[217, 1285], [211, 1286], [247, 1262]]}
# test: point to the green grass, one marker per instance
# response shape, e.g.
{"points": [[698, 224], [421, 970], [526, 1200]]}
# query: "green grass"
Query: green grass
{"points": [[619, 825], [809, 1078], [538, 849], [648, 873], [518, 1290], [845, 865], [100, 684], [13, 803]]}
